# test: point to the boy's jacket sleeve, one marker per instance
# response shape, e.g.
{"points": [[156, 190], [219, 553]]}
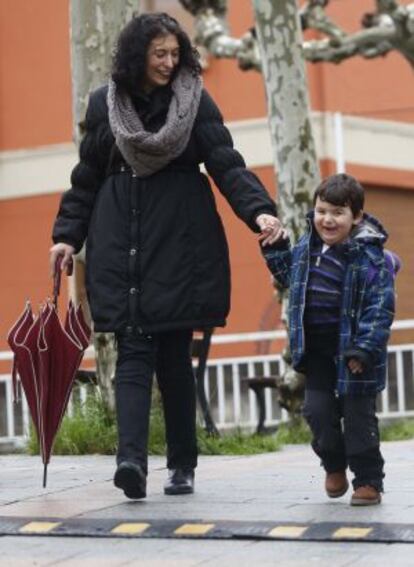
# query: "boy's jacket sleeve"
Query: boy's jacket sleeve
{"points": [[376, 315], [279, 261]]}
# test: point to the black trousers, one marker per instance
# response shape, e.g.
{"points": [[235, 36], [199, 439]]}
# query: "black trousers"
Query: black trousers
{"points": [[344, 428], [168, 356]]}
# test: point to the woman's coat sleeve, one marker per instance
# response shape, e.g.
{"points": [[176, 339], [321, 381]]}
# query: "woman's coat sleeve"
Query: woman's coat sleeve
{"points": [[242, 189], [71, 225]]}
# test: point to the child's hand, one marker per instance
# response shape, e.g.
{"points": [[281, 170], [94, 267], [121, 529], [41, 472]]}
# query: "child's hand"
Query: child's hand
{"points": [[355, 366], [271, 229]]}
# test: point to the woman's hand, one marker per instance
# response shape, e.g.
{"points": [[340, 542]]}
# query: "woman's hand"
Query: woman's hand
{"points": [[271, 229], [66, 251]]}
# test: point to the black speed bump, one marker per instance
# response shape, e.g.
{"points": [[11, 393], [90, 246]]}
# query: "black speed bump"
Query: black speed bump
{"points": [[198, 529]]}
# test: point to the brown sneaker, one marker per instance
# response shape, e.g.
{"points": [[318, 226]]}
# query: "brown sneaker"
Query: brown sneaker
{"points": [[336, 484], [365, 496]]}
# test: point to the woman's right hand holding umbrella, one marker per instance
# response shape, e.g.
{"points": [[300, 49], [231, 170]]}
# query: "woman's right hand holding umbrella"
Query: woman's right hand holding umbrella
{"points": [[65, 251]]}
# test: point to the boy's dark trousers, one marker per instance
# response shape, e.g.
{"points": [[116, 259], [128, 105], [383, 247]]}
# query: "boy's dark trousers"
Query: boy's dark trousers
{"points": [[344, 428], [168, 355]]}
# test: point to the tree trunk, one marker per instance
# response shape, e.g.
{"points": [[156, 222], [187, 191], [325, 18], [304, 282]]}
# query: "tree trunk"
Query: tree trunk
{"points": [[284, 72], [280, 41], [95, 25]]}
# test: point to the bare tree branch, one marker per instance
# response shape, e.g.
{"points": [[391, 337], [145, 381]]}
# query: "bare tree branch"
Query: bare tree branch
{"points": [[386, 5], [195, 7], [368, 43], [390, 27], [313, 16], [212, 33]]}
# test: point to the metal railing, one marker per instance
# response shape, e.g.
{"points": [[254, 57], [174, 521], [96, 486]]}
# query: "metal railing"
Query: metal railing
{"points": [[232, 402]]}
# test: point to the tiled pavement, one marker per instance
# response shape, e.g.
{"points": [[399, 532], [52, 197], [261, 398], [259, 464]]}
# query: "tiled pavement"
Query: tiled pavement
{"points": [[238, 501]]}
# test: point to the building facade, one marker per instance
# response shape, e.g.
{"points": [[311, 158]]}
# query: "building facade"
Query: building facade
{"points": [[374, 98]]}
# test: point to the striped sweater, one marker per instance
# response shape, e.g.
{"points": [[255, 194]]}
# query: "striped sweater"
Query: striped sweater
{"points": [[324, 288]]}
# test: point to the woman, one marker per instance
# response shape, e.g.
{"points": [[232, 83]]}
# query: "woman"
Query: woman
{"points": [[157, 258]]}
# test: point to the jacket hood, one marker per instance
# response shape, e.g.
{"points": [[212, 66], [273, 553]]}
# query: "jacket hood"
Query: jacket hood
{"points": [[369, 231]]}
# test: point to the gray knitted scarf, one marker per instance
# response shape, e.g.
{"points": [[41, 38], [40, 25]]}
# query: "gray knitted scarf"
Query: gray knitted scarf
{"points": [[148, 152]]}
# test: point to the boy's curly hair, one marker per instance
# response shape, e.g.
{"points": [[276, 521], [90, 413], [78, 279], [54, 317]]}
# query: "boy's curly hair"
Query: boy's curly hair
{"points": [[129, 61], [341, 190]]}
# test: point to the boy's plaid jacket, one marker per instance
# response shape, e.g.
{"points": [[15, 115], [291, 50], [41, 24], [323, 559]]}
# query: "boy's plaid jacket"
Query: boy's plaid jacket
{"points": [[367, 309]]}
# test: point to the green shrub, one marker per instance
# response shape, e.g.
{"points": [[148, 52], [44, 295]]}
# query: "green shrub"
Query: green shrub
{"points": [[236, 443], [91, 429], [293, 432]]}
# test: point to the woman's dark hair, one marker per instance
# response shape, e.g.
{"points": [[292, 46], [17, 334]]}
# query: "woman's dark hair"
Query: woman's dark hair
{"points": [[129, 61], [341, 190]]}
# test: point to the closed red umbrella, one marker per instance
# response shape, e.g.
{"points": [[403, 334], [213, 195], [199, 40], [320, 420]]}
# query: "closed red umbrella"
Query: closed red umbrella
{"points": [[47, 356]]}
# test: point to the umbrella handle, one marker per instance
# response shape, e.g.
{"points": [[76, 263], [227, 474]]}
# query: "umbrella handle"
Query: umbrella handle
{"points": [[57, 278], [44, 475]]}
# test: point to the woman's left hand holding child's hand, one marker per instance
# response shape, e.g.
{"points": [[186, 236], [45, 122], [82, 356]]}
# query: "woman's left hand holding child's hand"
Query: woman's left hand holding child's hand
{"points": [[271, 228]]}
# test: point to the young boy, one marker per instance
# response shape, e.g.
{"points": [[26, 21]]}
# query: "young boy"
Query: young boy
{"points": [[341, 307]]}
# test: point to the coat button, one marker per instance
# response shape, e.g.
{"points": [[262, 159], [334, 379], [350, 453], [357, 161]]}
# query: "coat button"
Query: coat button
{"points": [[133, 251], [133, 290]]}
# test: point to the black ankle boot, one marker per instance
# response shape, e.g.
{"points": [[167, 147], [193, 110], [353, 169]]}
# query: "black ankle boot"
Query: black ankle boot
{"points": [[180, 481], [130, 478]]}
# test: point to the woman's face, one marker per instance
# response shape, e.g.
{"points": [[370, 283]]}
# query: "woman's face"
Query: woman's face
{"points": [[163, 56]]}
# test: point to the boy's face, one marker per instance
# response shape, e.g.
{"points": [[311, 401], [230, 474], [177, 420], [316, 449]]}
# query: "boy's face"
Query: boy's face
{"points": [[333, 223]]}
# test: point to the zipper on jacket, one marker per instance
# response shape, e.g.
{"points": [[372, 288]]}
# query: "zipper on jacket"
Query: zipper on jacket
{"points": [[305, 288]]}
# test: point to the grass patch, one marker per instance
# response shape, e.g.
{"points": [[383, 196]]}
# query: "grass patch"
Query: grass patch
{"points": [[293, 432], [91, 429], [400, 430], [236, 443]]}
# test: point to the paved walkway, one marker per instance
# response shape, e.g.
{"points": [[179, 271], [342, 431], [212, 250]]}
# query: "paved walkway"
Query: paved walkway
{"points": [[238, 502]]}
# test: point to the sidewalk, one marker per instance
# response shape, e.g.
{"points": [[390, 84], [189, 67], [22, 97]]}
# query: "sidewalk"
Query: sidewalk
{"points": [[241, 499]]}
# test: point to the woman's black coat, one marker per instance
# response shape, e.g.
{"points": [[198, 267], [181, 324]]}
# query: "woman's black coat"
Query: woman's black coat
{"points": [[157, 256]]}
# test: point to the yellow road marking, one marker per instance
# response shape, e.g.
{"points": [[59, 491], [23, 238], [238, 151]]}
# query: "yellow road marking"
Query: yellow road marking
{"points": [[194, 529], [38, 527], [287, 531], [352, 532], [130, 528]]}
